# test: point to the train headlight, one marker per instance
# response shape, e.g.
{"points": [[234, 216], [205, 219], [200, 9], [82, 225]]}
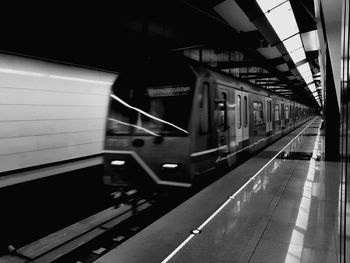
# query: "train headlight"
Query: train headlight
{"points": [[170, 165], [117, 163]]}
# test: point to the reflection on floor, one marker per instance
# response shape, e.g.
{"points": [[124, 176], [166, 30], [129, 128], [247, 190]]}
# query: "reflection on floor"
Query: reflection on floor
{"points": [[287, 214]]}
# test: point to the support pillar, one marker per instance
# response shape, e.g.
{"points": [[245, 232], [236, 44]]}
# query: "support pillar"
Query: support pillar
{"points": [[331, 115]]}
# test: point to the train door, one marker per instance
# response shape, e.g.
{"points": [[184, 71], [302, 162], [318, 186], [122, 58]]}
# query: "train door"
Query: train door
{"points": [[282, 116], [225, 119], [268, 116], [239, 129], [276, 116], [245, 117], [293, 113]]}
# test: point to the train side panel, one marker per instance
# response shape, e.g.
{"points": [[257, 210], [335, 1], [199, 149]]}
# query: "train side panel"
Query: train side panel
{"points": [[204, 144], [49, 112], [228, 120]]}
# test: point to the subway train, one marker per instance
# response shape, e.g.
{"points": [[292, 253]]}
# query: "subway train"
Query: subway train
{"points": [[172, 120], [52, 118]]}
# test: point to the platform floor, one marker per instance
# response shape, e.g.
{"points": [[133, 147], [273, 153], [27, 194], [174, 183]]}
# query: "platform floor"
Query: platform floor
{"points": [[286, 212]]}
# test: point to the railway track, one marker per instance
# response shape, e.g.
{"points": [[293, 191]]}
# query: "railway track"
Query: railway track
{"points": [[87, 240]]}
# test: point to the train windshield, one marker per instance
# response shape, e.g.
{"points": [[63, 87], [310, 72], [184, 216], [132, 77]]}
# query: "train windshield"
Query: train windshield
{"points": [[153, 110]]}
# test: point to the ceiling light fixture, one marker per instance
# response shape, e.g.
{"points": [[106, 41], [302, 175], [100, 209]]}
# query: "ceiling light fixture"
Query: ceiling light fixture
{"points": [[281, 17]]}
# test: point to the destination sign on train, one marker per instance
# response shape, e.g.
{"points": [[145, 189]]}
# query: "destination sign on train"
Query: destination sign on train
{"points": [[166, 91]]}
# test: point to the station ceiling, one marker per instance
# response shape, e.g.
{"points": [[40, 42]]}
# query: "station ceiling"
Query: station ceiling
{"points": [[110, 36]]}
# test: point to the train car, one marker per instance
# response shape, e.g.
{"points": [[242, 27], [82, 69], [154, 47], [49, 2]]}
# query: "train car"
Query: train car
{"points": [[174, 120], [52, 118]]}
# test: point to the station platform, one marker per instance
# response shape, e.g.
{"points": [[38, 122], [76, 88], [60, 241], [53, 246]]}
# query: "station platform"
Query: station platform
{"points": [[279, 206]]}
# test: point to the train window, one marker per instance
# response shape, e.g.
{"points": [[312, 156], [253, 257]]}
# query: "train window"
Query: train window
{"points": [[267, 111], [223, 112], [245, 108], [277, 112], [258, 113], [287, 113], [282, 111], [290, 111], [239, 114], [151, 111], [270, 118], [204, 109]]}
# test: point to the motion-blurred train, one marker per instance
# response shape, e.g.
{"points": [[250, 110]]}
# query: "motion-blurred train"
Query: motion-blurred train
{"points": [[173, 120]]}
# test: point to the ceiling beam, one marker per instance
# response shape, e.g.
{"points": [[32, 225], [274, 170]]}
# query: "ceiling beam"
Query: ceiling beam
{"points": [[282, 88], [250, 75], [234, 64], [271, 84], [253, 39], [277, 61], [282, 91]]}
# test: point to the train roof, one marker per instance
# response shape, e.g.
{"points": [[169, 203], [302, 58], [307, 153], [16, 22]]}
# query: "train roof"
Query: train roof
{"points": [[229, 80], [238, 83], [175, 67]]}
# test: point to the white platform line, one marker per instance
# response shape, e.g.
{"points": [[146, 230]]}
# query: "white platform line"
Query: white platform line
{"points": [[231, 197], [178, 248]]}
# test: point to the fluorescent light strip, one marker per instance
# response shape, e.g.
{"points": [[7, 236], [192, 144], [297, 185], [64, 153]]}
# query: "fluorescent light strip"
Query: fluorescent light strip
{"points": [[307, 74], [309, 80], [313, 91], [170, 165], [81, 79], [312, 87], [269, 5], [232, 197], [307, 77], [297, 55], [22, 72], [118, 162], [304, 68], [282, 20], [281, 17], [37, 74], [293, 43]]}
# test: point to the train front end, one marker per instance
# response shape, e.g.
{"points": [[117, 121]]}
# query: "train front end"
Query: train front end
{"points": [[147, 141]]}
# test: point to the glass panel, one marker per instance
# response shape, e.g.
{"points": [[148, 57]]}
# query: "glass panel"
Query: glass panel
{"points": [[267, 111], [258, 113], [222, 108], [312, 87], [151, 111], [268, 5], [239, 112], [297, 55], [304, 68], [293, 43], [204, 109], [283, 13], [245, 111], [277, 112]]}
